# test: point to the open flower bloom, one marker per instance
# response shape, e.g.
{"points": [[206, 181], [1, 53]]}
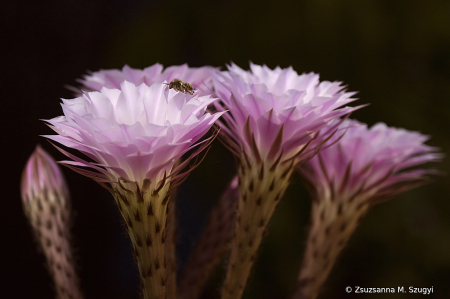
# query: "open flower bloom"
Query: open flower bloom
{"points": [[272, 126], [278, 108], [45, 199], [200, 78], [348, 176], [372, 164], [135, 135]]}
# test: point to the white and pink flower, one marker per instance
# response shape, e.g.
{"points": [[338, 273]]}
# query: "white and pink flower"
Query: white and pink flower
{"points": [[135, 132], [278, 108], [355, 169], [377, 162], [135, 135], [200, 78], [272, 126]]}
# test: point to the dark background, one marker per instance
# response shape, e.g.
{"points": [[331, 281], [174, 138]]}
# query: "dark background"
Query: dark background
{"points": [[395, 53]]}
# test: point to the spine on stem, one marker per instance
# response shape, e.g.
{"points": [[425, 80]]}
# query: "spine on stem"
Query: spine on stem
{"points": [[170, 252], [332, 224], [170, 257], [45, 199], [50, 225], [145, 213], [261, 187]]}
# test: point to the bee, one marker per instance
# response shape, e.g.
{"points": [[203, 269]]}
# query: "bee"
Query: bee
{"points": [[181, 86]]}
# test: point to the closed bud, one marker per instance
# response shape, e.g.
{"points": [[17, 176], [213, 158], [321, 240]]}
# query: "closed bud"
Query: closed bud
{"points": [[45, 201]]}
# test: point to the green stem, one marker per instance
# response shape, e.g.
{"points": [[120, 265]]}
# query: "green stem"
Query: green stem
{"points": [[261, 188], [333, 221], [170, 252], [145, 214], [170, 258], [50, 218]]}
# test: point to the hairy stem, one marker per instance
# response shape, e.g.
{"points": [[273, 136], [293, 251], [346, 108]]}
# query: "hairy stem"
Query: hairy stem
{"points": [[260, 189], [170, 258], [333, 221], [170, 252], [145, 213], [213, 244], [49, 218]]}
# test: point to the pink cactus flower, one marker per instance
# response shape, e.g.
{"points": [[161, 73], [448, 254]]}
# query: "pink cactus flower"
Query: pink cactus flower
{"points": [[347, 177], [278, 108], [272, 126], [200, 78], [135, 135], [375, 163]]}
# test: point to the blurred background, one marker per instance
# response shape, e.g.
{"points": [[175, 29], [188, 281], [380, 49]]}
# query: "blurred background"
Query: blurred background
{"points": [[396, 54]]}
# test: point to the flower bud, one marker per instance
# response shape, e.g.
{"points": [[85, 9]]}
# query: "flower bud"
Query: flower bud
{"points": [[45, 201]]}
